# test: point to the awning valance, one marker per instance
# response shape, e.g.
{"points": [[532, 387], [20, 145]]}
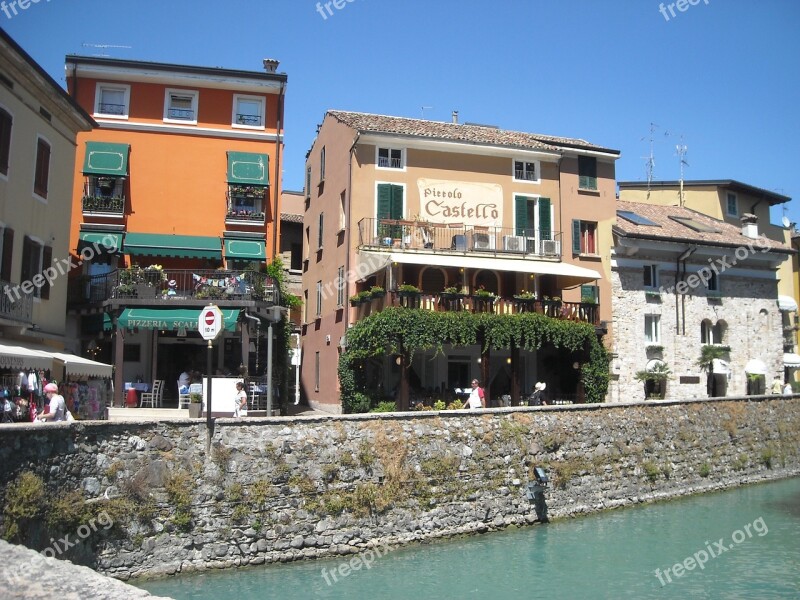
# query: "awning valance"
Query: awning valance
{"points": [[80, 366], [569, 275], [247, 168], [162, 244], [792, 360], [787, 303], [242, 249], [110, 240], [22, 357], [755, 367], [721, 367], [171, 319], [106, 159]]}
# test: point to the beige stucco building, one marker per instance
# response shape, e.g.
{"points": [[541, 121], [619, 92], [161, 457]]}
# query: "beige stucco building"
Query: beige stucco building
{"points": [[682, 280], [393, 201], [39, 123]]}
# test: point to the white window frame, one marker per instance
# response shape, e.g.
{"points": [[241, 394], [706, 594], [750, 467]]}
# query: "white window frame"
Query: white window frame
{"points": [[537, 165], [537, 232], [319, 299], [98, 96], [652, 329], [320, 230], [402, 152], [585, 238], [322, 165], [193, 94], [262, 113], [316, 371], [340, 285], [728, 197], [653, 270], [342, 214]]}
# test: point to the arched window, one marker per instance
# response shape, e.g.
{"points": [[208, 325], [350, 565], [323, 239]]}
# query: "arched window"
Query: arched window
{"points": [[489, 280], [432, 280], [706, 335], [718, 333]]}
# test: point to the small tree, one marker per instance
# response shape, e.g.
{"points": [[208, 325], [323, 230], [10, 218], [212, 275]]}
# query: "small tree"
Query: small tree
{"points": [[708, 354], [655, 380]]}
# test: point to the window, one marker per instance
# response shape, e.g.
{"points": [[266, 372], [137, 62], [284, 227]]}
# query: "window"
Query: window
{"points": [[651, 276], [732, 205], [587, 172], [316, 371], [308, 181], [533, 217], [5, 140], [246, 202], [320, 231], [390, 158], [389, 206], [42, 172], [584, 237], [526, 171], [305, 306], [712, 284], [35, 255], [181, 106], [8, 250], [112, 100], [319, 299], [248, 111], [307, 243], [132, 352], [342, 214], [712, 334], [590, 294], [652, 329], [340, 283], [322, 165]]}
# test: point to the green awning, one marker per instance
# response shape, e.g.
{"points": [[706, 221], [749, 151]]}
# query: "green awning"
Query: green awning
{"points": [[110, 240], [246, 168], [164, 244], [241, 249], [106, 159], [172, 319]]}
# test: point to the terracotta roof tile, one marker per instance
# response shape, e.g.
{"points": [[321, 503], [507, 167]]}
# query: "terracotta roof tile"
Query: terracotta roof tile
{"points": [[478, 134], [725, 234], [291, 218]]}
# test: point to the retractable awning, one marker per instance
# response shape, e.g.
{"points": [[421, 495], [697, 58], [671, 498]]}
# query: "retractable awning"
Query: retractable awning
{"points": [[247, 168], [755, 367], [180, 246], [23, 357], [569, 275], [171, 319], [103, 158], [791, 360], [110, 240], [787, 303], [80, 366], [242, 249]]}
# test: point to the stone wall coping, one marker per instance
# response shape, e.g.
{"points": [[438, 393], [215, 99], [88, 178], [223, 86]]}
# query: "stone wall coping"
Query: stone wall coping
{"points": [[409, 415]]}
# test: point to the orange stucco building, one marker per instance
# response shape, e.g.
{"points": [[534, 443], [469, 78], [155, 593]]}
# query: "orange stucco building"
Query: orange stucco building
{"points": [[181, 175]]}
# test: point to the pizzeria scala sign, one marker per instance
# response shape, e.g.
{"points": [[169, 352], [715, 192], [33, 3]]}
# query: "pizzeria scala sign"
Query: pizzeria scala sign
{"points": [[459, 201]]}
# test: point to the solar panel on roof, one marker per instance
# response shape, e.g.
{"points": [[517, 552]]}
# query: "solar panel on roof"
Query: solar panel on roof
{"points": [[635, 218], [694, 224]]}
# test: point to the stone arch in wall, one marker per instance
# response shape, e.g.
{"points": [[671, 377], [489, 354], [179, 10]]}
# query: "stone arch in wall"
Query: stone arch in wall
{"points": [[432, 280], [488, 279]]}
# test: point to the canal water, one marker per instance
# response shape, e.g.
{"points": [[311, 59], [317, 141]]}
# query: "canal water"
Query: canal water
{"points": [[743, 543]]}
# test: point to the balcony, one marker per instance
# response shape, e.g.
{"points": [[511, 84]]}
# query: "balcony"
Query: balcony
{"points": [[14, 304], [246, 205], [457, 238], [165, 286], [390, 163], [104, 205], [587, 312]]}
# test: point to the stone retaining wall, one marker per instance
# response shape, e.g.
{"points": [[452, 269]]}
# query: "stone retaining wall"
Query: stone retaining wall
{"points": [[284, 489]]}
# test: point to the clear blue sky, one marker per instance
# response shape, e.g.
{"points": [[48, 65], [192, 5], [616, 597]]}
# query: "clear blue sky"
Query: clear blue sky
{"points": [[723, 74]]}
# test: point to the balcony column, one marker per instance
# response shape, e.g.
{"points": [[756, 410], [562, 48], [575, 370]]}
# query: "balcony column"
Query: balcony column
{"points": [[515, 375], [119, 384], [246, 347], [404, 390]]}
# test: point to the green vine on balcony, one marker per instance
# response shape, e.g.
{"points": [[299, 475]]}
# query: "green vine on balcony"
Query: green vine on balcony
{"points": [[408, 331]]}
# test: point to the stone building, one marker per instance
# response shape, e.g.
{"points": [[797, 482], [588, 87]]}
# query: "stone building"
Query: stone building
{"points": [[682, 280]]}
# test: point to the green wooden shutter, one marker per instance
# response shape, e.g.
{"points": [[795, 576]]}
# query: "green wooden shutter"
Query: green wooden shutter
{"points": [[397, 202], [384, 201], [587, 172], [521, 214], [576, 236], [590, 293], [545, 222]]}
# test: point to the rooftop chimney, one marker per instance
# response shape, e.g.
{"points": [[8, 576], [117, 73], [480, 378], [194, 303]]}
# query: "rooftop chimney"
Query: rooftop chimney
{"points": [[455, 117], [749, 226], [270, 65]]}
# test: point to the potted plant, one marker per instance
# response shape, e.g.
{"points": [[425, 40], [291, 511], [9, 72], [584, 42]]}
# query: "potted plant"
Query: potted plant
{"points": [[377, 291], [408, 290], [655, 380], [449, 293], [195, 405], [355, 300]]}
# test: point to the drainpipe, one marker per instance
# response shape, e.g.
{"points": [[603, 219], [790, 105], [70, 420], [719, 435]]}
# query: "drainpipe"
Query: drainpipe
{"points": [[278, 142], [258, 335], [680, 324], [348, 228]]}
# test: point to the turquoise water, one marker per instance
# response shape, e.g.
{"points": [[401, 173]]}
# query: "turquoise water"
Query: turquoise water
{"points": [[607, 555]]}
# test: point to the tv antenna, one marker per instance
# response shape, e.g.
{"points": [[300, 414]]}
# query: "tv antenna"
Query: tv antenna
{"points": [[650, 162], [681, 150], [103, 46], [422, 110]]}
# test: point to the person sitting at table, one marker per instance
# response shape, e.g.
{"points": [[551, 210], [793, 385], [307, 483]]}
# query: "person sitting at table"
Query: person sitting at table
{"points": [[183, 382]]}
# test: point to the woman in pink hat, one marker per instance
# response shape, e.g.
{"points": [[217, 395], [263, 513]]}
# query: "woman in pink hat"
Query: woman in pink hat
{"points": [[56, 410]]}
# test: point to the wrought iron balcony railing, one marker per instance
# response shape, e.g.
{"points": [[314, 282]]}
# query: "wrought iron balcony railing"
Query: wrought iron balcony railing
{"points": [[102, 204], [15, 305]]}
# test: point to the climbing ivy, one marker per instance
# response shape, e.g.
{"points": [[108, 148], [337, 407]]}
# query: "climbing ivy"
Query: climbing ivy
{"points": [[397, 330]]}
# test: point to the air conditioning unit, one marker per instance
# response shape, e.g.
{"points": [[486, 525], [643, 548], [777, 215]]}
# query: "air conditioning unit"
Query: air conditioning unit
{"points": [[514, 243], [482, 241], [550, 248]]}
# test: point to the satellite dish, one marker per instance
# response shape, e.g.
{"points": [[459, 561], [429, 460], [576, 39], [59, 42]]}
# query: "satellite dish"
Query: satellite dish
{"points": [[786, 222]]}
